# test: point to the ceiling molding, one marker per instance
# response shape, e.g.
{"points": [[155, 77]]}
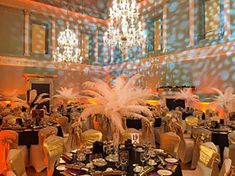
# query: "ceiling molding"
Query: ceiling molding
{"points": [[219, 50], [26, 62], [50, 10]]}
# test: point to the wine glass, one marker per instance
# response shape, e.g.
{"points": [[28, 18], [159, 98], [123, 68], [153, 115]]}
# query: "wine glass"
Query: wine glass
{"points": [[118, 164], [142, 159], [146, 156]]}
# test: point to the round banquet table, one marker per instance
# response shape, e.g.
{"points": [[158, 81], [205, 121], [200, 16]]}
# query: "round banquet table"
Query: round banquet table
{"points": [[133, 159], [29, 136]]}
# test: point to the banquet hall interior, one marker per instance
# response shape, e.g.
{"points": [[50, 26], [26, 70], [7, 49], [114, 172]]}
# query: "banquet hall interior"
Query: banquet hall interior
{"points": [[117, 87]]}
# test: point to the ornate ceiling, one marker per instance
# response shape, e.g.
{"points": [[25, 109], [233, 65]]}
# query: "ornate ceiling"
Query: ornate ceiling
{"points": [[94, 8]]}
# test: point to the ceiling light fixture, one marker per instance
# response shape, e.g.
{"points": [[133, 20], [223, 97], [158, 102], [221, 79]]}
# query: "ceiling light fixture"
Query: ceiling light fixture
{"points": [[125, 27], [67, 49]]}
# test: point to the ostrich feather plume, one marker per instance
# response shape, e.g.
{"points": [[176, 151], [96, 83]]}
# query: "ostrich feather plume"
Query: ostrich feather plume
{"points": [[224, 100], [123, 98], [187, 95]]}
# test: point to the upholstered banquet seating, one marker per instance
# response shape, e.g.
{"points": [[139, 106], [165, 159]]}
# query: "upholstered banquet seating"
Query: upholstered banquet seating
{"points": [[186, 146], [10, 121], [11, 158], [229, 152], [170, 142], [63, 121], [36, 151], [128, 133], [208, 162], [88, 137], [53, 147], [200, 136], [191, 121]]}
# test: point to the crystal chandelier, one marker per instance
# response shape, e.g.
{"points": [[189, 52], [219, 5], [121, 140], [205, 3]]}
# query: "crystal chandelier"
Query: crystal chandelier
{"points": [[125, 28], [67, 49]]}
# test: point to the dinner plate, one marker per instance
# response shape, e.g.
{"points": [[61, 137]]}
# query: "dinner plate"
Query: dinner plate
{"points": [[138, 169], [139, 149], [99, 162], [112, 158], [171, 160], [61, 167], [164, 172], [158, 150], [151, 162], [61, 161]]}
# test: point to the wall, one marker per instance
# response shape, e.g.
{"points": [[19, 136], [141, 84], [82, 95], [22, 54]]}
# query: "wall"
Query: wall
{"points": [[12, 78], [207, 63], [11, 31]]}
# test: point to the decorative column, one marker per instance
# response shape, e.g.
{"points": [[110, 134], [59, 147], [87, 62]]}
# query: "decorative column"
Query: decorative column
{"points": [[53, 34], [26, 32], [144, 44], [97, 46], [76, 30], [164, 27], [227, 19], [191, 23]]}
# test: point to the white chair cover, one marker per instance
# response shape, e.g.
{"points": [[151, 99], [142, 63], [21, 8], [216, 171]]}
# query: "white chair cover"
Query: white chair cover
{"points": [[170, 142], [226, 168], [36, 151], [229, 152], [208, 162]]}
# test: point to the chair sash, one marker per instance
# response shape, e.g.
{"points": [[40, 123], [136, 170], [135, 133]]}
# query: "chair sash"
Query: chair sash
{"points": [[9, 120], [191, 121], [208, 155], [74, 140], [63, 121], [128, 133], [231, 138], [170, 142], [90, 136], [200, 136], [53, 147], [148, 133], [46, 132], [7, 137]]}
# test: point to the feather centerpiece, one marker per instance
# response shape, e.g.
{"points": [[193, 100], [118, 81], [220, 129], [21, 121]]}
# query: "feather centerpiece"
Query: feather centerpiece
{"points": [[122, 99], [224, 100], [187, 95], [66, 94], [13, 97]]}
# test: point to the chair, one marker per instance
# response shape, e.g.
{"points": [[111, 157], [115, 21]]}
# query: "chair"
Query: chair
{"points": [[53, 147], [226, 168], [229, 152], [200, 136], [128, 133], [74, 138], [63, 121], [208, 161], [88, 137], [186, 146], [11, 158], [36, 151], [170, 142], [190, 122]]}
